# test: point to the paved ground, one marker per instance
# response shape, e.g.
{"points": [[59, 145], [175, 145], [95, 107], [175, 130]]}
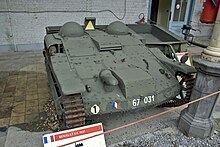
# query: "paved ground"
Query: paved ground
{"points": [[23, 138], [3, 135], [24, 92], [23, 88]]}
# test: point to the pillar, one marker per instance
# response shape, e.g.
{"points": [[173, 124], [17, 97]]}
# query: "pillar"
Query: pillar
{"points": [[196, 119]]}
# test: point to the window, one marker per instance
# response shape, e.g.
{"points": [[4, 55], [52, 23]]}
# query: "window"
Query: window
{"points": [[180, 10]]}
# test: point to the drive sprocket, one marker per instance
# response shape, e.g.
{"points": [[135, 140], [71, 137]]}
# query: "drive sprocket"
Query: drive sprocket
{"points": [[187, 82]]}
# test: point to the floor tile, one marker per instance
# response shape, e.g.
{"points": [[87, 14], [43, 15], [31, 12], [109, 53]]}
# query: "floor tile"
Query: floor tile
{"points": [[43, 101], [30, 103], [42, 90], [20, 98], [19, 107], [16, 113], [17, 120], [20, 93], [5, 111], [8, 94], [4, 122], [32, 92], [6, 104], [42, 86], [7, 99], [44, 96], [31, 97], [2, 88], [21, 88], [31, 109], [11, 83], [31, 117], [11, 88]]}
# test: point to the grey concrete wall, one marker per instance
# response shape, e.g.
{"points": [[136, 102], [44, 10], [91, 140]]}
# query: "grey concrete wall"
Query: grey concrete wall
{"points": [[25, 31], [204, 32]]}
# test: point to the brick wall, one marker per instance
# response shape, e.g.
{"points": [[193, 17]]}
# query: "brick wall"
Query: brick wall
{"points": [[26, 30]]}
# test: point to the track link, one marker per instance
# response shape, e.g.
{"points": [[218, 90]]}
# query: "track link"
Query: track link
{"points": [[189, 81], [74, 114]]}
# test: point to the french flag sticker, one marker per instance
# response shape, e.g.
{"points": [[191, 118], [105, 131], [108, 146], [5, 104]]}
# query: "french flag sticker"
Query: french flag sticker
{"points": [[116, 105], [48, 139]]}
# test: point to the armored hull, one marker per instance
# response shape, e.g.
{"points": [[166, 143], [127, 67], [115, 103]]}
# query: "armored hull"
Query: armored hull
{"points": [[106, 70]]}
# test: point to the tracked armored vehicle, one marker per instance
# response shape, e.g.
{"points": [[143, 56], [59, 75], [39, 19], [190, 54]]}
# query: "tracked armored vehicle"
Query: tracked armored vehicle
{"points": [[110, 69]]}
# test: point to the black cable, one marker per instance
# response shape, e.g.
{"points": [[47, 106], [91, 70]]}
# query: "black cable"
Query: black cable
{"points": [[71, 11]]}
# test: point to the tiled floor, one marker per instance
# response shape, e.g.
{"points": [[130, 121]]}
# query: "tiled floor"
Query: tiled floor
{"points": [[23, 87]]}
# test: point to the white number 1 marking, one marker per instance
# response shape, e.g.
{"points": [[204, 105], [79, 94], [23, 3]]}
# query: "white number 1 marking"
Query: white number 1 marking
{"points": [[95, 109]]}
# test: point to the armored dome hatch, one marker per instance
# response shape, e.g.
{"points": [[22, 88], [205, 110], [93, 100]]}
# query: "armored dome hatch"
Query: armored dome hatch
{"points": [[71, 29], [117, 28]]}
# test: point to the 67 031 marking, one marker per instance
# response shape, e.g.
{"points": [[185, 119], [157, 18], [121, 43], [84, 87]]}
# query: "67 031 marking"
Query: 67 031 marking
{"points": [[147, 99]]}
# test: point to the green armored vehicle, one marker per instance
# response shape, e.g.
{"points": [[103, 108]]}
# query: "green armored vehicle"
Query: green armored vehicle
{"points": [[108, 69]]}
